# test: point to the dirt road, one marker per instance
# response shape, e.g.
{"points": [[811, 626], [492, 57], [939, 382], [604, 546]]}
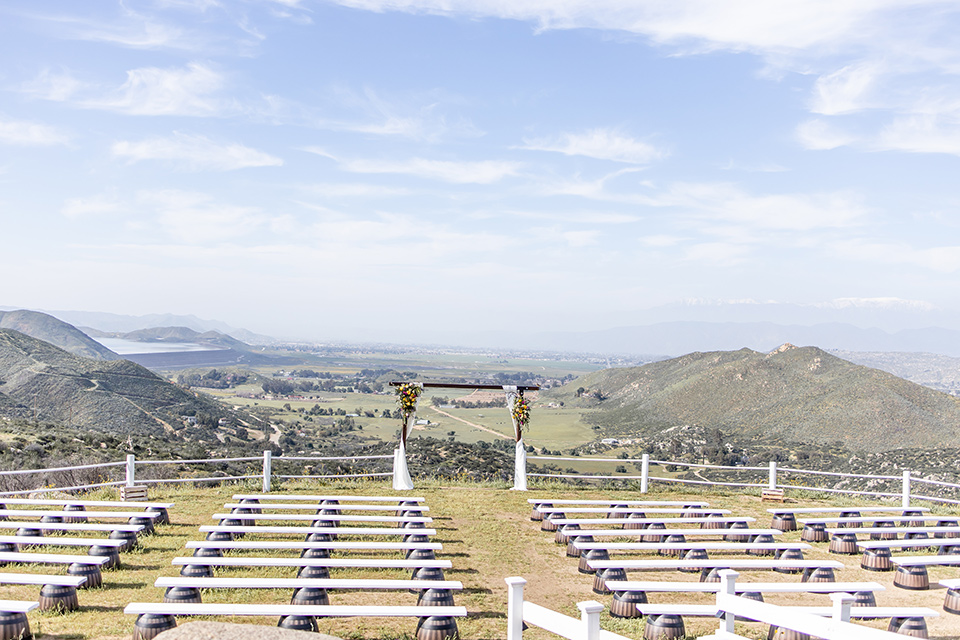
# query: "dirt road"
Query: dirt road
{"points": [[472, 424]]}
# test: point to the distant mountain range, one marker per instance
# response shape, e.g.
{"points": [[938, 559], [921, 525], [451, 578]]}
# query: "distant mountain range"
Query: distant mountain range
{"points": [[116, 323], [676, 338], [39, 380], [45, 327], [789, 395]]}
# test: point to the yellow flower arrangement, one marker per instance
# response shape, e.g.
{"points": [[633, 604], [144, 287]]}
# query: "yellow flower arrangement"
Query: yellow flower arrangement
{"points": [[521, 411], [407, 396]]}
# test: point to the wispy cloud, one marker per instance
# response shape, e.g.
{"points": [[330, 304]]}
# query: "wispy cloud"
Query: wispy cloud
{"points": [[189, 91], [821, 135], [198, 218], [103, 204], [21, 132], [195, 152], [602, 144], [943, 259], [457, 172]]}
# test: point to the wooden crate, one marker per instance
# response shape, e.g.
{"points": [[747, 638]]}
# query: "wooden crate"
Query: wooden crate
{"points": [[775, 495], [136, 493]]}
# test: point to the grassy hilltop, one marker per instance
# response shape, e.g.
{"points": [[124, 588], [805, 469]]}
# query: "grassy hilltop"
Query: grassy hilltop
{"points": [[790, 395], [486, 533]]}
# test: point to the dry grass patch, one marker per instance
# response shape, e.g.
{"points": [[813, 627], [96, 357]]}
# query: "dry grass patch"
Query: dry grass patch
{"points": [[487, 534]]}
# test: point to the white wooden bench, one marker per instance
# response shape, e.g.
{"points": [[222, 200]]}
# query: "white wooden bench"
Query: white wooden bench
{"points": [[711, 610], [98, 546], [299, 583], [372, 563], [15, 623], [340, 531], [320, 507], [71, 526], [94, 515], [632, 533], [435, 621], [785, 519], [744, 587], [687, 546], [621, 509], [742, 563], [86, 503], [629, 503], [60, 541], [85, 566], [324, 518], [330, 546], [648, 521], [287, 496], [56, 593]]}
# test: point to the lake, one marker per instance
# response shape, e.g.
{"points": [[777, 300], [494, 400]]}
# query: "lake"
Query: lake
{"points": [[123, 347]]}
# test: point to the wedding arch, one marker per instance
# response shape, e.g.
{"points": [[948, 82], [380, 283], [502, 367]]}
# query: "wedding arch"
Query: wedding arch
{"points": [[408, 395]]}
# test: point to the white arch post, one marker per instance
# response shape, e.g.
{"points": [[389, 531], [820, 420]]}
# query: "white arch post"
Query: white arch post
{"points": [[520, 459], [401, 474]]}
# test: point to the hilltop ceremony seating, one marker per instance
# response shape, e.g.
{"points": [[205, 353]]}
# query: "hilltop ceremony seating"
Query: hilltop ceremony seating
{"points": [[877, 554], [785, 518], [155, 617], [71, 504], [435, 607]]}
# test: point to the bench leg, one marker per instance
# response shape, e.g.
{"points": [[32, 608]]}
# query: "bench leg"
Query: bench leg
{"points": [[299, 623], [58, 598], [149, 625], [437, 628]]}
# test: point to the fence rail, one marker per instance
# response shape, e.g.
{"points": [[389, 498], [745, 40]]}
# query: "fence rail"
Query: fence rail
{"points": [[108, 474]]}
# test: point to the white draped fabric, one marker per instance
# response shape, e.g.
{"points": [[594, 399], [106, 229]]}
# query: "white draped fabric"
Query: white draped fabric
{"points": [[520, 468], [520, 460], [401, 474]]}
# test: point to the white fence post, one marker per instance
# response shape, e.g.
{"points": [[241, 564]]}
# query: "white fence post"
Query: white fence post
{"points": [[644, 472], [267, 460], [590, 616], [131, 469], [906, 488], [728, 585], [773, 477], [841, 606], [515, 607]]}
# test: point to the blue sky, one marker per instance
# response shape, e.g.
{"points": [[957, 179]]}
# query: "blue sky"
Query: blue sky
{"points": [[378, 169]]}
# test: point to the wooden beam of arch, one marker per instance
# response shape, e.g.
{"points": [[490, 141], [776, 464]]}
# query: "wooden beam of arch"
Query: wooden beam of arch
{"points": [[461, 385]]}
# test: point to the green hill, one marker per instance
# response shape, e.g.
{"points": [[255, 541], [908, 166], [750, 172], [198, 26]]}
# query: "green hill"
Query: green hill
{"points": [[49, 329], [789, 395], [211, 339], [40, 380]]}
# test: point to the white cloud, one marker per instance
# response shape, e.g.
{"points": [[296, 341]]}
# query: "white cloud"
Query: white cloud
{"points": [[846, 90], [187, 91], [92, 205], [728, 204], [196, 152], [821, 135], [196, 218], [57, 87], [602, 144], [921, 134], [30, 134], [457, 172], [944, 259]]}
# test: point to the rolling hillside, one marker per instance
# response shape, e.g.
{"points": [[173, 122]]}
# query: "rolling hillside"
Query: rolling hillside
{"points": [[789, 395], [39, 379], [49, 329]]}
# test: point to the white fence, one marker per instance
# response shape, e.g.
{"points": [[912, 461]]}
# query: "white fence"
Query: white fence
{"points": [[771, 476], [518, 612], [108, 475], [837, 627]]}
